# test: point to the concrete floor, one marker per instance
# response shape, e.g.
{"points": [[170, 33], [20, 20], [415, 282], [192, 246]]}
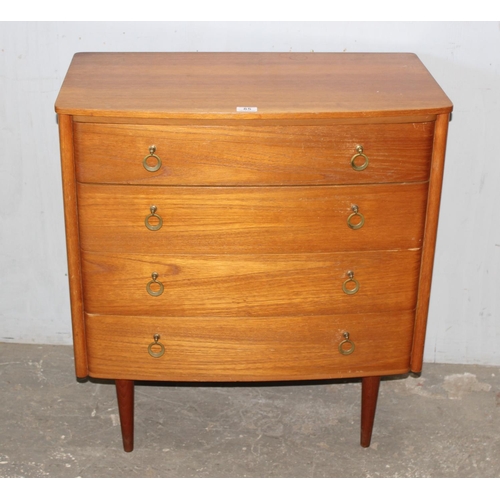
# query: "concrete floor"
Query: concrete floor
{"points": [[444, 424]]}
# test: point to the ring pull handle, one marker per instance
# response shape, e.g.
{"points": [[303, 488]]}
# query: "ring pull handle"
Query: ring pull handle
{"points": [[347, 287], [351, 218], [359, 154], [152, 292], [146, 165], [152, 348], [153, 214], [347, 346]]}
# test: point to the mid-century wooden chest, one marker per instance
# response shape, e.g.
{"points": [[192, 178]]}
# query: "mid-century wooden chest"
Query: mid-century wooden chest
{"points": [[250, 216]]}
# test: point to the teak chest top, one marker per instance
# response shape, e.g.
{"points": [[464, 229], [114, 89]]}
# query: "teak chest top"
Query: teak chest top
{"points": [[279, 85]]}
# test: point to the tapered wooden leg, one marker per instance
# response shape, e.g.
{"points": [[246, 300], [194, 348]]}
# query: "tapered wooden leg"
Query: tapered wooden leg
{"points": [[369, 395], [125, 396]]}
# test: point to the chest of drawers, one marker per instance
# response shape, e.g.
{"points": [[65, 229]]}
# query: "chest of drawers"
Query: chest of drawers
{"points": [[250, 217]]}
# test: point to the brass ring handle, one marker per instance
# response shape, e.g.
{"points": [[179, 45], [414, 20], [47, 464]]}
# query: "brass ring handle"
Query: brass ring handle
{"points": [[154, 168], [359, 154], [156, 354], [355, 213], [154, 282], [153, 213], [347, 346], [350, 291]]}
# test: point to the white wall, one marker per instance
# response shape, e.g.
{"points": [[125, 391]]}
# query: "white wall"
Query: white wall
{"points": [[464, 322]]}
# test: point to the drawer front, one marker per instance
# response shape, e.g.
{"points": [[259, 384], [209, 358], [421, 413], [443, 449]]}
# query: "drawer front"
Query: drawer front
{"points": [[253, 155], [251, 220], [249, 349], [250, 285]]}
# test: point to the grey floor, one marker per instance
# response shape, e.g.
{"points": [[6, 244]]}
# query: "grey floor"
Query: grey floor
{"points": [[445, 423]]}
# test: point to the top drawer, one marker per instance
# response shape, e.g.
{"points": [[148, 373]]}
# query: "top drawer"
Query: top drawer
{"points": [[232, 155]]}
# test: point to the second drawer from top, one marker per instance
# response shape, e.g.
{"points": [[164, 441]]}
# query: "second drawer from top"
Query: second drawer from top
{"points": [[251, 220]]}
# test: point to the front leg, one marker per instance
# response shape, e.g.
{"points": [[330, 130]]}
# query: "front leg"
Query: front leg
{"points": [[125, 396], [369, 395]]}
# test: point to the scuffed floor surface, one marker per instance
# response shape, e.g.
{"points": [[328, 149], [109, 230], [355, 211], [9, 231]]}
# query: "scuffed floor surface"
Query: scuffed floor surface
{"points": [[445, 423]]}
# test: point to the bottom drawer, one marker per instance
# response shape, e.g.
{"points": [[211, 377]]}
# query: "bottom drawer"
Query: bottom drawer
{"points": [[249, 349]]}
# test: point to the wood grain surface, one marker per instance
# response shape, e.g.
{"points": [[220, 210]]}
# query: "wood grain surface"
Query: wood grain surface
{"points": [[73, 244], [249, 349], [250, 285], [251, 220], [253, 155], [279, 85], [431, 226]]}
